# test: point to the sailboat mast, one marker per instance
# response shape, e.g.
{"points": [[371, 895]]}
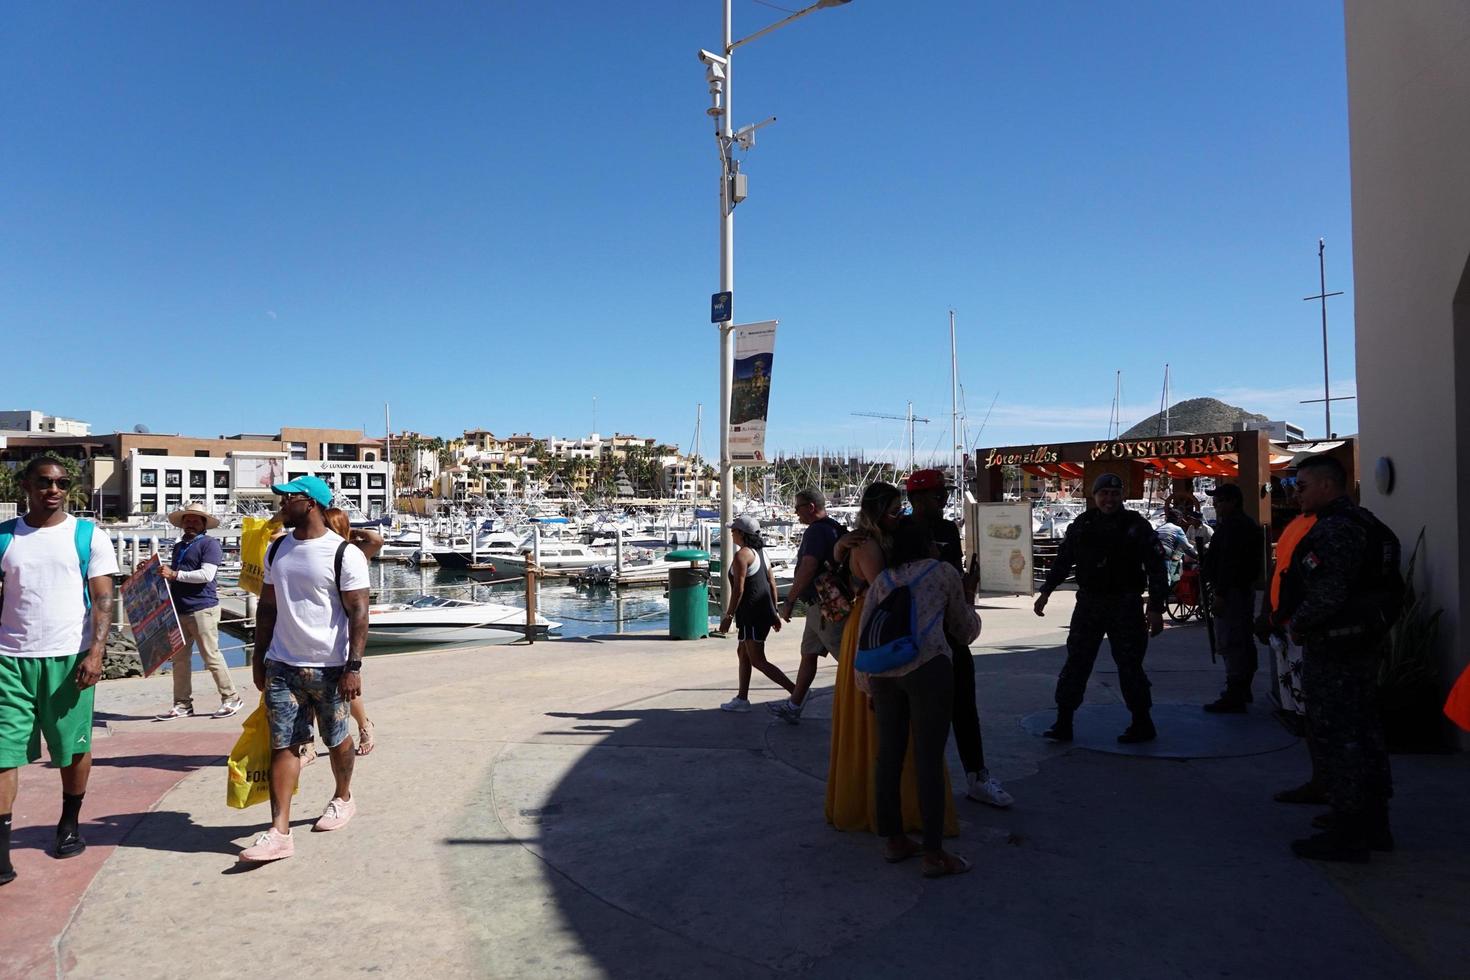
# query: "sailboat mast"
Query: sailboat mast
{"points": [[954, 407], [388, 455]]}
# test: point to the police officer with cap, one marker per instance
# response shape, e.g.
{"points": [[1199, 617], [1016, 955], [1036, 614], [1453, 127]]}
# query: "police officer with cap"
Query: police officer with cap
{"points": [[1341, 593], [1115, 553]]}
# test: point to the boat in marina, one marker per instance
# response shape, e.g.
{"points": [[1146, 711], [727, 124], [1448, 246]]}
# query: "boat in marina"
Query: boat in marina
{"points": [[439, 619]]}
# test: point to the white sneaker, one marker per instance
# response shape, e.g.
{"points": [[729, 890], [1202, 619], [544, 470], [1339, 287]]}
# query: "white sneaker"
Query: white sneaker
{"points": [[229, 706], [985, 788], [179, 710], [740, 705]]}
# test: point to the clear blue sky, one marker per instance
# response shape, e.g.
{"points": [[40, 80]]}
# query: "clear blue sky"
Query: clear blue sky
{"points": [[231, 218]]}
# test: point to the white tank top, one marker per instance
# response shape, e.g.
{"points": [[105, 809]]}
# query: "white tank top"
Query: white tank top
{"points": [[755, 565]]}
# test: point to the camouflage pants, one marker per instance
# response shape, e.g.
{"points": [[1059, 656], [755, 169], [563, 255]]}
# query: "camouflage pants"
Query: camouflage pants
{"points": [[1340, 681], [1120, 618]]}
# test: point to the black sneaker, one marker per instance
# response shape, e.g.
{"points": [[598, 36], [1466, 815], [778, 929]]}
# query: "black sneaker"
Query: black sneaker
{"points": [[1380, 838], [6, 877], [69, 843]]}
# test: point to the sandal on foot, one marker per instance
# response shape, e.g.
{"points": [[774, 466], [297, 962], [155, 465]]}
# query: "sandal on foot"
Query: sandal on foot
{"points": [[307, 753], [950, 864], [903, 852], [365, 741]]}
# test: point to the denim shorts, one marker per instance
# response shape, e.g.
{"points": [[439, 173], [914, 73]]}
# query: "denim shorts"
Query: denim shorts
{"points": [[294, 694]]}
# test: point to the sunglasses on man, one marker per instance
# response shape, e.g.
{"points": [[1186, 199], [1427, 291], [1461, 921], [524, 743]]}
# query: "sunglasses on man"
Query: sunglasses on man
{"points": [[46, 482]]}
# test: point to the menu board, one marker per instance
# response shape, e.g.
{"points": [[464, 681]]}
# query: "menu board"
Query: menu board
{"points": [[1001, 534]]}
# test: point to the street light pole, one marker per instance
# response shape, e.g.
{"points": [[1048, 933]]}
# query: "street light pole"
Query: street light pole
{"points": [[720, 85], [727, 327]]}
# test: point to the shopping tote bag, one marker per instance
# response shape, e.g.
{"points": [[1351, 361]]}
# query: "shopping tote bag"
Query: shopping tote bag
{"points": [[250, 762], [1457, 706], [255, 536]]}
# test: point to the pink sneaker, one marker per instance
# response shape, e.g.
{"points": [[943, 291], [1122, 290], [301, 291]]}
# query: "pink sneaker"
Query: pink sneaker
{"points": [[269, 846], [336, 815]]}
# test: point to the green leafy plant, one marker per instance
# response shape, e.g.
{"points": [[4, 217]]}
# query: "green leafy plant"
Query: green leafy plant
{"points": [[1408, 677]]}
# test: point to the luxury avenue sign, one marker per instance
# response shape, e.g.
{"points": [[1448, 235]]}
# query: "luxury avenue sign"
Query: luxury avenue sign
{"points": [[1082, 452]]}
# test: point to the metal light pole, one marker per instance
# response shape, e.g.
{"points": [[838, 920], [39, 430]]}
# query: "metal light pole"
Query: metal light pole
{"points": [[718, 72]]}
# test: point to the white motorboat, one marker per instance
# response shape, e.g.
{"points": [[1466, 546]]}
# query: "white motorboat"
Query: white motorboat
{"points": [[437, 619], [556, 557]]}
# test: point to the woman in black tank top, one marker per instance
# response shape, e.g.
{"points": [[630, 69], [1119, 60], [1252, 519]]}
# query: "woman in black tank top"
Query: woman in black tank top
{"points": [[753, 610]]}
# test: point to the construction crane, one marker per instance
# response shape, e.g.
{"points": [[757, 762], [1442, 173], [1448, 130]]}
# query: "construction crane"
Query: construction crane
{"points": [[908, 419]]}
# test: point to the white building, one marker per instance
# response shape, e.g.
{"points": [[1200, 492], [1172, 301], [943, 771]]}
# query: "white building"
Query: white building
{"points": [[41, 423], [163, 484]]}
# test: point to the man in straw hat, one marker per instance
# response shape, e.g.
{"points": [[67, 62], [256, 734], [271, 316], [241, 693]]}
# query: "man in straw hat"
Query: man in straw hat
{"points": [[196, 561]]}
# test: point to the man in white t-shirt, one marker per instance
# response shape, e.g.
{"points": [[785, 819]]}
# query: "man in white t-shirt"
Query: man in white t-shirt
{"points": [[310, 632], [51, 567]]}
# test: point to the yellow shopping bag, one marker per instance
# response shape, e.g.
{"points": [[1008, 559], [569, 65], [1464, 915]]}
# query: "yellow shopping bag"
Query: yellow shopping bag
{"points": [[250, 762], [254, 539]]}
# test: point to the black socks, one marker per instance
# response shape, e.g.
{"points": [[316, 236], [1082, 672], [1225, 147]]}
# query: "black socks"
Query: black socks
{"points": [[5, 869], [71, 811]]}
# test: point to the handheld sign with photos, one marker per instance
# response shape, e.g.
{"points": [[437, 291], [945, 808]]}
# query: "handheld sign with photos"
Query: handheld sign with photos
{"points": [[151, 615]]}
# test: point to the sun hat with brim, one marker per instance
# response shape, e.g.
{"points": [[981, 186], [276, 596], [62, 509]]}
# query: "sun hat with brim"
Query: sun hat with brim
{"points": [[196, 509], [314, 487]]}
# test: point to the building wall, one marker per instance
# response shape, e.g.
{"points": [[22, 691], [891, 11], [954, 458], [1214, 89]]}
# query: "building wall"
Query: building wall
{"points": [[162, 484], [1408, 65]]}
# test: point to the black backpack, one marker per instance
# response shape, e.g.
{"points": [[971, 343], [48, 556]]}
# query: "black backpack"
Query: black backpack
{"points": [[1381, 579]]}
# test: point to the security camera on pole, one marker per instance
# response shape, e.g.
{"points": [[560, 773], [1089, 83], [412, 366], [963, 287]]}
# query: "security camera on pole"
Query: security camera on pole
{"points": [[732, 192]]}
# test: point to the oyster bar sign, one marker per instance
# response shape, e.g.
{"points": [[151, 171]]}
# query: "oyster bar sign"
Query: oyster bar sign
{"points": [[1152, 448], [1083, 452]]}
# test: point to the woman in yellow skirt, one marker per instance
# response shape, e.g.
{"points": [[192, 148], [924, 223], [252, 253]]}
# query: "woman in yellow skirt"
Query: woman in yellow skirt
{"points": [[851, 804]]}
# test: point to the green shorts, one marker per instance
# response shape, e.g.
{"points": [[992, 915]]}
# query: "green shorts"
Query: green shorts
{"points": [[39, 697]]}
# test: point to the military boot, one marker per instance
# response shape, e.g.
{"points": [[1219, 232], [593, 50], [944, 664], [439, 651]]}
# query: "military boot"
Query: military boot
{"points": [[1375, 827], [1232, 700], [1142, 729], [1346, 840], [1061, 730]]}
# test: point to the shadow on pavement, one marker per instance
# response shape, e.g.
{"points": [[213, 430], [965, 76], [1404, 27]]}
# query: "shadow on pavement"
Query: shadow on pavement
{"points": [[170, 763], [680, 839]]}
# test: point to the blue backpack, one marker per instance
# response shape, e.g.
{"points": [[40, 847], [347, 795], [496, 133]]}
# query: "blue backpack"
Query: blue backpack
{"points": [[891, 636], [83, 541]]}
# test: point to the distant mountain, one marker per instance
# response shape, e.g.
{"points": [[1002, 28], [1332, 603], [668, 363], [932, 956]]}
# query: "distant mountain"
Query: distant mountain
{"points": [[1194, 415]]}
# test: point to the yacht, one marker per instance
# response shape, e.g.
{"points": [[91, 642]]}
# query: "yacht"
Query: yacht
{"points": [[437, 619]]}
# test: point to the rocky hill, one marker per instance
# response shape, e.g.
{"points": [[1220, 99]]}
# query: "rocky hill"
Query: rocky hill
{"points": [[1194, 415]]}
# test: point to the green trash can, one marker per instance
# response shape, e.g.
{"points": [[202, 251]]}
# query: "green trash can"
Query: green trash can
{"points": [[688, 595]]}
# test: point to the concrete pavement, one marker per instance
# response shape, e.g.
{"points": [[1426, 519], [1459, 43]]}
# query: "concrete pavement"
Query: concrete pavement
{"points": [[580, 808]]}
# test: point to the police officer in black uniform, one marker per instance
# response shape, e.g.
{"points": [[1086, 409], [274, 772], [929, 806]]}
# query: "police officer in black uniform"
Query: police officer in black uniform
{"points": [[1115, 553], [1338, 598]]}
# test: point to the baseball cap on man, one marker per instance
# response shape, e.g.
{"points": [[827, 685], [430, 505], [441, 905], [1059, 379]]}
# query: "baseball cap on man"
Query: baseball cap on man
{"points": [[925, 480], [314, 487], [1108, 481], [746, 525]]}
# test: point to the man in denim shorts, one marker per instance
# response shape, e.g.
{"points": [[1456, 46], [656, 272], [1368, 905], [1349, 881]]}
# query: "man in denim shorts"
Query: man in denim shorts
{"points": [[310, 631]]}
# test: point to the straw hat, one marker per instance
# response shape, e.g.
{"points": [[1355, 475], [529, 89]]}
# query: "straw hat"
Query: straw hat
{"points": [[198, 510]]}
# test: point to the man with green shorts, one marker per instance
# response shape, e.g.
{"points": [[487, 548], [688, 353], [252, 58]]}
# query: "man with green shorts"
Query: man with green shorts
{"points": [[55, 611]]}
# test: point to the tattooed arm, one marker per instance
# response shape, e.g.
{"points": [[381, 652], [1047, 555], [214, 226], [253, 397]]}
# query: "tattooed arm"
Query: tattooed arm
{"points": [[89, 669]]}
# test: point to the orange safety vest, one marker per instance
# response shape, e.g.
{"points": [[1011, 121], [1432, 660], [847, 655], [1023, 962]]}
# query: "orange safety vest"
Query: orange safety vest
{"points": [[1285, 545]]}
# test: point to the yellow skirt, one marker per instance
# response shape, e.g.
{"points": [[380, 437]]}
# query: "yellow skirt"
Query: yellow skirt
{"points": [[850, 801]]}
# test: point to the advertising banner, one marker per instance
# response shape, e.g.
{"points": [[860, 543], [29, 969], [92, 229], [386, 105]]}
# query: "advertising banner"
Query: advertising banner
{"points": [[256, 474], [1002, 536], [750, 395], [151, 615]]}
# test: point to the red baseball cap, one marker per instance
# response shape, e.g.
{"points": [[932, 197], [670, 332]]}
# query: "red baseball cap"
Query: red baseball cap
{"points": [[925, 480]]}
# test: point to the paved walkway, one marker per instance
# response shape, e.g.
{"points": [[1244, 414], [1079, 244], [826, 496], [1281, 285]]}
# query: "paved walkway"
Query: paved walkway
{"points": [[579, 808]]}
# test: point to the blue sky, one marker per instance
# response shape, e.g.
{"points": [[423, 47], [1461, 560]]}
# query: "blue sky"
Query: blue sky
{"points": [[224, 219]]}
